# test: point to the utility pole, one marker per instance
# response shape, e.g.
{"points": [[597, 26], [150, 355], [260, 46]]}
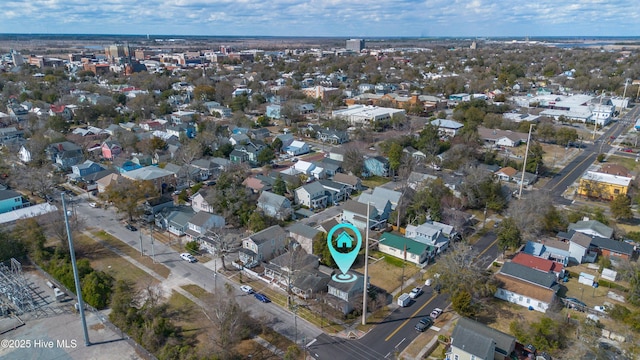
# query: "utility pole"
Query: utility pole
{"points": [[153, 251], [141, 250], [524, 166], [76, 277], [366, 268]]}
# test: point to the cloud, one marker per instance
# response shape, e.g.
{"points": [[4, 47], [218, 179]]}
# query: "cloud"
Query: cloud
{"points": [[323, 17]]}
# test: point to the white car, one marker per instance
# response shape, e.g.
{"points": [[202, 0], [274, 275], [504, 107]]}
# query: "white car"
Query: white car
{"points": [[415, 292], [435, 313], [188, 257], [93, 204], [246, 288]]}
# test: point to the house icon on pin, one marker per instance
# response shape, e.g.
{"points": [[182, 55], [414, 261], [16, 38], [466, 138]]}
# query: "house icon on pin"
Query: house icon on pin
{"points": [[344, 240]]}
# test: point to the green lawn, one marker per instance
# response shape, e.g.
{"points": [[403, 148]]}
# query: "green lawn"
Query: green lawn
{"points": [[374, 181], [135, 254]]}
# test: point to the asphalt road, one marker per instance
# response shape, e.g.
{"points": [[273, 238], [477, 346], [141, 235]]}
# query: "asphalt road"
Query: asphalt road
{"points": [[574, 169], [396, 332], [279, 319]]}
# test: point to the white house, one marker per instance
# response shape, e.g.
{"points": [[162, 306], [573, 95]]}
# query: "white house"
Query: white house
{"points": [[311, 195], [297, 148], [199, 203], [274, 205], [523, 286]]}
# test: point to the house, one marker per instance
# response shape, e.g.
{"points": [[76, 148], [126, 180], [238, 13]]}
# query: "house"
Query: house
{"points": [[238, 157], [380, 196], [309, 169], [297, 148], [125, 165], [274, 205], [239, 139], [65, 154], [154, 205], [311, 195], [336, 191], [262, 246], [199, 202], [353, 182], [527, 179], [376, 166], [10, 134], [110, 149], [284, 270], [535, 290], [416, 154], [199, 223], [447, 127], [86, 168], [603, 186], [506, 174], [430, 233], [251, 149], [591, 228], [11, 200], [174, 219], [331, 136], [612, 249], [161, 178], [61, 111], [345, 296], [417, 180], [355, 213], [405, 248], [260, 133], [331, 167], [472, 340], [206, 168], [497, 137], [539, 264], [257, 184], [304, 234], [25, 153], [554, 250], [337, 153], [578, 248], [107, 180]]}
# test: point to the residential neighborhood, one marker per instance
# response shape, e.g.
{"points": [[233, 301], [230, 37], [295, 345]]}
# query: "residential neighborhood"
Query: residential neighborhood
{"points": [[226, 168]]}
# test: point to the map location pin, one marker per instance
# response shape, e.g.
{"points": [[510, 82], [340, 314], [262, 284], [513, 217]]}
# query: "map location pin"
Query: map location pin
{"points": [[344, 241]]}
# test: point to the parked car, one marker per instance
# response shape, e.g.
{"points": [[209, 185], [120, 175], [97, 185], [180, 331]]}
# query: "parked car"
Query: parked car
{"points": [[93, 204], [246, 288], [629, 150], [435, 313], [424, 324], [574, 303], [188, 257], [262, 297], [415, 292], [428, 282], [131, 227]]}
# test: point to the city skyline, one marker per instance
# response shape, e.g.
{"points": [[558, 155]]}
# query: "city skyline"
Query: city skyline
{"points": [[331, 18]]}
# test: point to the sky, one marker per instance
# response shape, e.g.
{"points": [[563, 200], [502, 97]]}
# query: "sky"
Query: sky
{"points": [[334, 18]]}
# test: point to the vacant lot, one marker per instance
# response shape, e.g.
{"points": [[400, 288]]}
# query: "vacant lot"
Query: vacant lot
{"points": [[388, 276], [106, 260]]}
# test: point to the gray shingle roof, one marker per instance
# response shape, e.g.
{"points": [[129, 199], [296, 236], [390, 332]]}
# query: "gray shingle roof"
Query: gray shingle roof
{"points": [[303, 230], [522, 272], [593, 225], [270, 233], [612, 245], [504, 342]]}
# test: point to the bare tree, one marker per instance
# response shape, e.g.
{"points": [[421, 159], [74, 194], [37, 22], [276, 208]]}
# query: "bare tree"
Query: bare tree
{"points": [[230, 321], [529, 214]]}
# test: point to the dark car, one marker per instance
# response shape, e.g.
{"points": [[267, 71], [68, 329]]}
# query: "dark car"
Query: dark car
{"points": [[131, 227], [424, 324], [262, 297], [575, 303]]}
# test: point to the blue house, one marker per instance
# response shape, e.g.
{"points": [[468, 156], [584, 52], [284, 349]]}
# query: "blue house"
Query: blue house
{"points": [[86, 168], [11, 200], [377, 165], [273, 111]]}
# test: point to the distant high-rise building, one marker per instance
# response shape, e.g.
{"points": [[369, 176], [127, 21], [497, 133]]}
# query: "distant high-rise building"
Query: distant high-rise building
{"points": [[17, 58], [474, 45], [355, 45], [117, 51]]}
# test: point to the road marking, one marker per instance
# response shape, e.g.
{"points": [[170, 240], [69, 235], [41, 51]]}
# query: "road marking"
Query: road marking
{"points": [[386, 356], [487, 248], [571, 172], [410, 318], [403, 339], [312, 341]]}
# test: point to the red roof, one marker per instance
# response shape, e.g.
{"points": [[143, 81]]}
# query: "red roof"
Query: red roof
{"points": [[537, 263], [57, 108]]}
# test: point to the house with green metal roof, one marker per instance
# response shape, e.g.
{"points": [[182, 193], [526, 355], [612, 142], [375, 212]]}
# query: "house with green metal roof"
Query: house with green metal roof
{"points": [[397, 245]]}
